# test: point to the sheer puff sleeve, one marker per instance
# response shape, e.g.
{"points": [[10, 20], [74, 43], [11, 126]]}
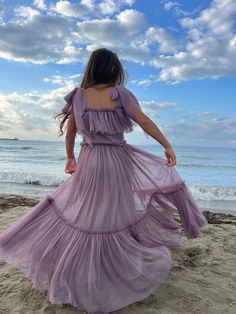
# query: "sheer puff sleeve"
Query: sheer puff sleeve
{"points": [[129, 102], [74, 100], [69, 101]]}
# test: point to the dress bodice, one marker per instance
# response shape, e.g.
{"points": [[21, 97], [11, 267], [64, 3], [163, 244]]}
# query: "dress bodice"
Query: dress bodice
{"points": [[102, 125]]}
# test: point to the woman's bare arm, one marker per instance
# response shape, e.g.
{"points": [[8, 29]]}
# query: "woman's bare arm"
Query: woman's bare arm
{"points": [[70, 135], [151, 128]]}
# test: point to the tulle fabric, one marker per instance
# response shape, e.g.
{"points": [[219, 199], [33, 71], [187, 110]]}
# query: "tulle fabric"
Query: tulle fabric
{"points": [[101, 120], [102, 239]]}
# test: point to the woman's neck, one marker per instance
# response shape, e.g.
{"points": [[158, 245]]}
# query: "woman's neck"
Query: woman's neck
{"points": [[101, 86]]}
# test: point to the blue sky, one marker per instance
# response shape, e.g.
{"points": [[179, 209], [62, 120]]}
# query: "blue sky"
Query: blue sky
{"points": [[180, 57]]}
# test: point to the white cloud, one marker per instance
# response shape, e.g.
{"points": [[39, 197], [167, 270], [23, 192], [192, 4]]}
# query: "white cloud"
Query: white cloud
{"points": [[40, 4], [73, 9], [155, 105], [85, 7], [25, 14], [52, 38], [150, 79], [136, 51], [210, 47], [170, 4], [165, 42], [65, 80], [213, 129], [38, 40], [30, 115], [112, 31], [217, 19], [122, 34], [72, 54], [204, 48], [142, 82], [153, 108], [206, 113], [175, 7], [108, 7]]}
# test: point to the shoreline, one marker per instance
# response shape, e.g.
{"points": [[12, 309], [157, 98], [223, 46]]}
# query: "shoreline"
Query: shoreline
{"points": [[8, 201]]}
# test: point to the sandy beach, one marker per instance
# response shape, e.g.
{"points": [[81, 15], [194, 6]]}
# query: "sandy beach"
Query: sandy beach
{"points": [[202, 278]]}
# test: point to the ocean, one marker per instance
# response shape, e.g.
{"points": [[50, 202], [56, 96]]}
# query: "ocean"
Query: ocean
{"points": [[35, 168]]}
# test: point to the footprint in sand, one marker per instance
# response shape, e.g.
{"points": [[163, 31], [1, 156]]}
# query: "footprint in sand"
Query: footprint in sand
{"points": [[192, 254]]}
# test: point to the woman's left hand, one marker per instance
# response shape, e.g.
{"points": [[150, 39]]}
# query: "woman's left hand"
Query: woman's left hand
{"points": [[70, 165]]}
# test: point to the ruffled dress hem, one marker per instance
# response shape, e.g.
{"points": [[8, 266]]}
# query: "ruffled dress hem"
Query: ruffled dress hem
{"points": [[51, 243]]}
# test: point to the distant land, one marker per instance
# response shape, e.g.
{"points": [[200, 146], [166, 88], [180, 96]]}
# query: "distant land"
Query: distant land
{"points": [[9, 139]]}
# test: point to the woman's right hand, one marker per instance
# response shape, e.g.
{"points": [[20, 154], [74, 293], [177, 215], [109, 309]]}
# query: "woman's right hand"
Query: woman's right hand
{"points": [[70, 165], [170, 155]]}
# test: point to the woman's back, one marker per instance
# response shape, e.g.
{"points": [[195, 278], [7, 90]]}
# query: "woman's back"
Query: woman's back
{"points": [[98, 97]]}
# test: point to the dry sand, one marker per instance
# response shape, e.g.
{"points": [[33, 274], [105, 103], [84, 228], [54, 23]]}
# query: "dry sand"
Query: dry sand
{"points": [[202, 278]]}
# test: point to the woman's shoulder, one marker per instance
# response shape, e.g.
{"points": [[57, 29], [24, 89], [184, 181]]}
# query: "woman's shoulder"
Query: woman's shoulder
{"points": [[77, 91], [122, 88], [126, 92], [71, 97], [72, 92]]}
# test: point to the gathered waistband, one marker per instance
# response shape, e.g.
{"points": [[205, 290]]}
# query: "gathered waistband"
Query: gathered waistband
{"points": [[103, 143]]}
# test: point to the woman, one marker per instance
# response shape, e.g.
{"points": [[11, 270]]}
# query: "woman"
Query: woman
{"points": [[102, 239], [104, 70]]}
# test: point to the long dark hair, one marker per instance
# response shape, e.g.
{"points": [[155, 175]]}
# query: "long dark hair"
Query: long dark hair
{"points": [[103, 67]]}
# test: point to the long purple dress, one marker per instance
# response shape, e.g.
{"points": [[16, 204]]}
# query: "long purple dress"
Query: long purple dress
{"points": [[101, 240]]}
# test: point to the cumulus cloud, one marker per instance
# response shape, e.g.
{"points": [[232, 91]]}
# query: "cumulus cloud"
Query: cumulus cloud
{"points": [[24, 14], [108, 7], [39, 40], [40, 4], [112, 31], [165, 42], [73, 9], [175, 6], [66, 32], [217, 19], [170, 4], [31, 113], [122, 34], [142, 82], [86, 7], [65, 80], [145, 82], [214, 129], [210, 49], [34, 37], [152, 107]]}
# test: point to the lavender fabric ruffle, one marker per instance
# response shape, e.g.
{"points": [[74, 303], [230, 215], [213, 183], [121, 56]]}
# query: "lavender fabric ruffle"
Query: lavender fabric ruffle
{"points": [[101, 120], [102, 239]]}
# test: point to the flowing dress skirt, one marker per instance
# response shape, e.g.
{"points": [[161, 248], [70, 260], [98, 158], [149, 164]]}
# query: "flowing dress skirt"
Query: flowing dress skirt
{"points": [[102, 239]]}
